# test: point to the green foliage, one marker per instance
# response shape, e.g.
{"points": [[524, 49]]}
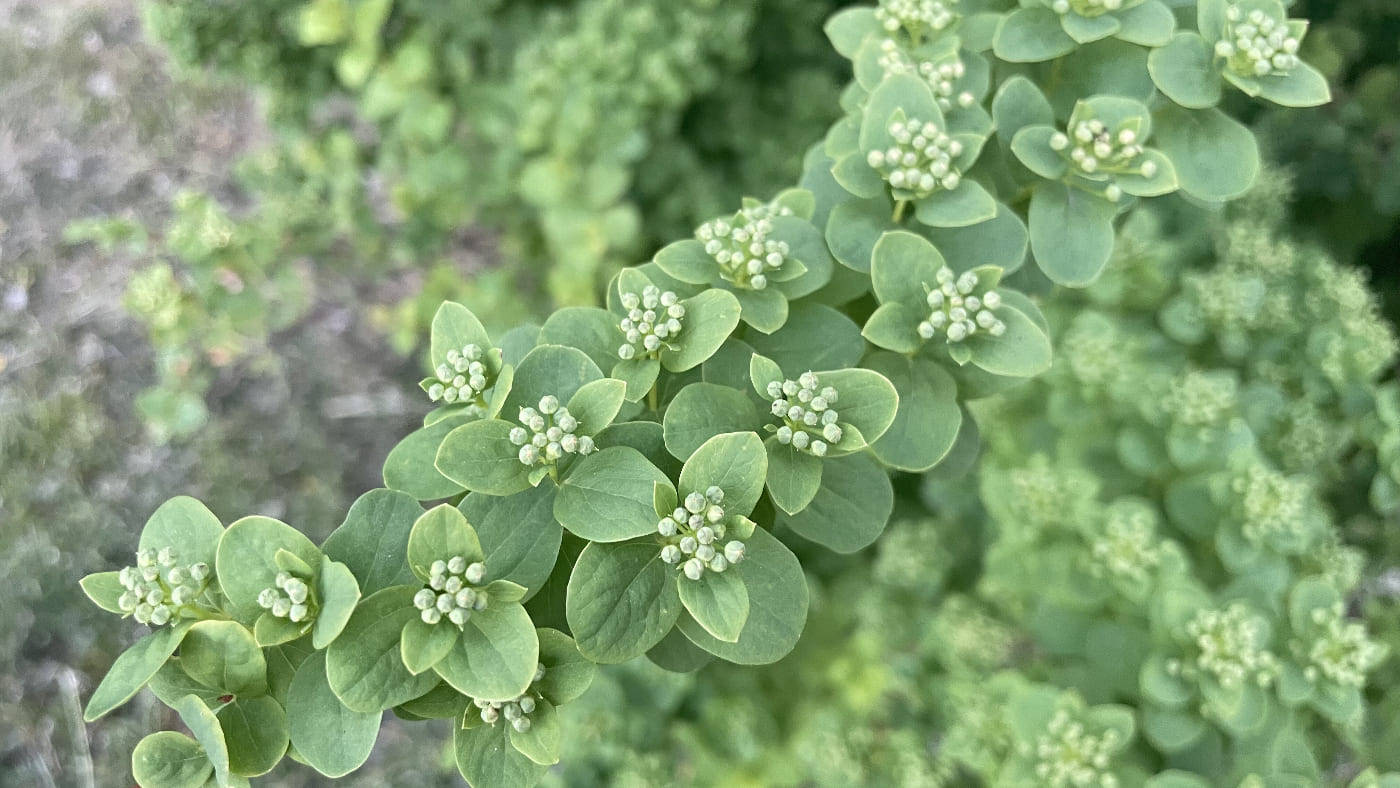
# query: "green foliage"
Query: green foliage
{"points": [[1157, 589]]}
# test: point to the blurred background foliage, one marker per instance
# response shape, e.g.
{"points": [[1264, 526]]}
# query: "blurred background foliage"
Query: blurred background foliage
{"points": [[224, 226]]}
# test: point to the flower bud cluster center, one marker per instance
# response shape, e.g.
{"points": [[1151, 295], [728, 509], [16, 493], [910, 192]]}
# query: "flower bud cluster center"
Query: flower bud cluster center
{"points": [[957, 312], [1258, 45], [517, 710], [742, 246], [921, 160], [453, 593], [809, 418], [462, 377], [653, 319], [916, 16], [159, 589], [292, 598], [941, 77], [1068, 756], [691, 535], [548, 434], [1096, 151]]}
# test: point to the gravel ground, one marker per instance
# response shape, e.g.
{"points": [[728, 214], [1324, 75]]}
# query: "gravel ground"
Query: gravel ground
{"points": [[93, 123]]}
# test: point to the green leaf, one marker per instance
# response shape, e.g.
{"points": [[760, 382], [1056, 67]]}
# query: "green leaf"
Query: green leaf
{"points": [[1086, 30], [170, 760], [171, 683], [455, 327], [246, 564], [339, 593], [256, 732], [596, 404], [688, 262], [496, 656], [793, 476], [1000, 242], [703, 410], [735, 462], [1149, 24], [1019, 103], [1184, 71], [373, 540], [849, 511], [485, 757], [186, 525], [1160, 686], [710, 318], [1032, 146], [593, 331], [441, 703], [849, 27], [541, 742], [1171, 730], [903, 265], [567, 673], [815, 336], [441, 533], [1071, 233], [927, 421], [964, 206], [764, 310], [205, 727], [410, 468], [548, 369], [777, 606], [893, 326], [364, 666], [868, 401], [480, 457], [718, 601], [622, 600], [608, 498], [1023, 351], [1175, 779], [224, 655], [518, 534], [639, 374], [333, 739], [1163, 181], [854, 227], [1216, 157], [1303, 86], [1031, 35], [857, 177], [105, 589], [677, 654], [130, 672], [424, 645]]}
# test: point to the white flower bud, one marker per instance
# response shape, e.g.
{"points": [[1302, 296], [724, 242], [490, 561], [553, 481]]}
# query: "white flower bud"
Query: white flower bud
{"points": [[298, 613], [521, 724], [694, 569], [476, 573], [424, 599], [695, 503], [688, 544], [734, 552], [527, 703], [459, 616], [431, 616], [671, 554], [714, 494]]}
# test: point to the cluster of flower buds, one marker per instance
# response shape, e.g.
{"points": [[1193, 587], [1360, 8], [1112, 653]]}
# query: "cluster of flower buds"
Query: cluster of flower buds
{"points": [[742, 246], [452, 591], [1069, 755], [1128, 549], [1340, 652], [462, 378], [1201, 399], [548, 434], [158, 587], [1086, 8], [916, 16], [957, 312], [516, 711], [921, 160], [1094, 149], [1257, 45], [1229, 646], [942, 77], [809, 418], [1270, 504], [692, 535], [291, 599], [652, 319]]}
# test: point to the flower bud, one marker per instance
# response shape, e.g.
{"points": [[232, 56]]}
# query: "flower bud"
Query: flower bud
{"points": [[734, 552], [476, 573], [694, 569]]}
